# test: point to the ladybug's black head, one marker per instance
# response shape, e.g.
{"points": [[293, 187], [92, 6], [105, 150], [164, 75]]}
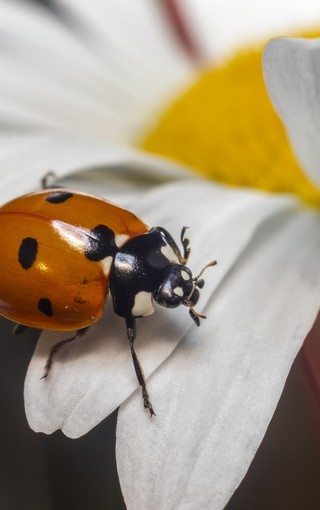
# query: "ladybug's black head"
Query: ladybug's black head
{"points": [[180, 288]]}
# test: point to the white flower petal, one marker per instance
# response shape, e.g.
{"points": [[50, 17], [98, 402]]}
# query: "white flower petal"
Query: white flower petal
{"points": [[95, 375], [51, 78], [292, 70], [34, 27], [26, 157], [223, 26], [215, 395], [98, 76], [47, 75], [136, 41]]}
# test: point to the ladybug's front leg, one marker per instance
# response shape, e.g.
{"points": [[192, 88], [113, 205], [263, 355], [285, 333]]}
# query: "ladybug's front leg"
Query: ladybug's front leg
{"points": [[186, 244], [183, 258], [131, 332]]}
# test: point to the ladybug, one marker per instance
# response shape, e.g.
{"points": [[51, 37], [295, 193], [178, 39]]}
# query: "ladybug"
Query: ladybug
{"points": [[65, 252]]}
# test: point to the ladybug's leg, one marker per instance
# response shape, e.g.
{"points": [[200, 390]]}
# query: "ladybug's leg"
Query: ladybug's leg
{"points": [[55, 348], [183, 258], [46, 181], [185, 243], [18, 329], [131, 332]]}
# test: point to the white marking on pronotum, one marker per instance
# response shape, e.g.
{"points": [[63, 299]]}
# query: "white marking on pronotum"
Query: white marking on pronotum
{"points": [[185, 275], [168, 252], [120, 239], [178, 291], [142, 304], [106, 264]]}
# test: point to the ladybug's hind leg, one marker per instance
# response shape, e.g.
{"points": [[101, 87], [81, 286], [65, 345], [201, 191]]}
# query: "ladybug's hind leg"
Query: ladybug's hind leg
{"points": [[18, 329], [56, 348], [131, 332]]}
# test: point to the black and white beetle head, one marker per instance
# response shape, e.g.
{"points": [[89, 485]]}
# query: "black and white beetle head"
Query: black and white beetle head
{"points": [[151, 267], [180, 288]]}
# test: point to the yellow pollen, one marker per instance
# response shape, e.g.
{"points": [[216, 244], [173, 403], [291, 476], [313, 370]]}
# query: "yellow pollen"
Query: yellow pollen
{"points": [[225, 127]]}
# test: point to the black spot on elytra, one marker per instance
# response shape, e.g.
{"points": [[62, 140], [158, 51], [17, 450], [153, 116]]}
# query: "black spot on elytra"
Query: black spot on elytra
{"points": [[56, 197], [45, 306], [28, 252], [101, 243]]}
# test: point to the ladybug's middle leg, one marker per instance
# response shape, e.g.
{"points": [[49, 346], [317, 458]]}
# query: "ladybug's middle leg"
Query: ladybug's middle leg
{"points": [[55, 348], [131, 332]]}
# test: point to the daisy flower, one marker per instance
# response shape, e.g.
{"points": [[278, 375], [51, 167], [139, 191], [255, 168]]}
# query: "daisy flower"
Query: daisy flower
{"points": [[80, 86]]}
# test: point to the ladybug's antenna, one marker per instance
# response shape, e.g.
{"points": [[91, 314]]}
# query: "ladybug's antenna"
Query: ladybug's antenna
{"points": [[200, 283]]}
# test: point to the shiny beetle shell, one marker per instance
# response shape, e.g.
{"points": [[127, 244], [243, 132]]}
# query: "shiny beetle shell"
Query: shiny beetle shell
{"points": [[56, 255]]}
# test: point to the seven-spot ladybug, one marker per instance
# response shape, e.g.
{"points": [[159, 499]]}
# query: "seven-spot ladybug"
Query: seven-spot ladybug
{"points": [[65, 251]]}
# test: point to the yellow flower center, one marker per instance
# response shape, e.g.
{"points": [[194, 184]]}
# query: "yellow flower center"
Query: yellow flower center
{"points": [[225, 127]]}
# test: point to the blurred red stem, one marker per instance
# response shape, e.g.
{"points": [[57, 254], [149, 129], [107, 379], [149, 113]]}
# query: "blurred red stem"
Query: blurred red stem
{"points": [[180, 26]]}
